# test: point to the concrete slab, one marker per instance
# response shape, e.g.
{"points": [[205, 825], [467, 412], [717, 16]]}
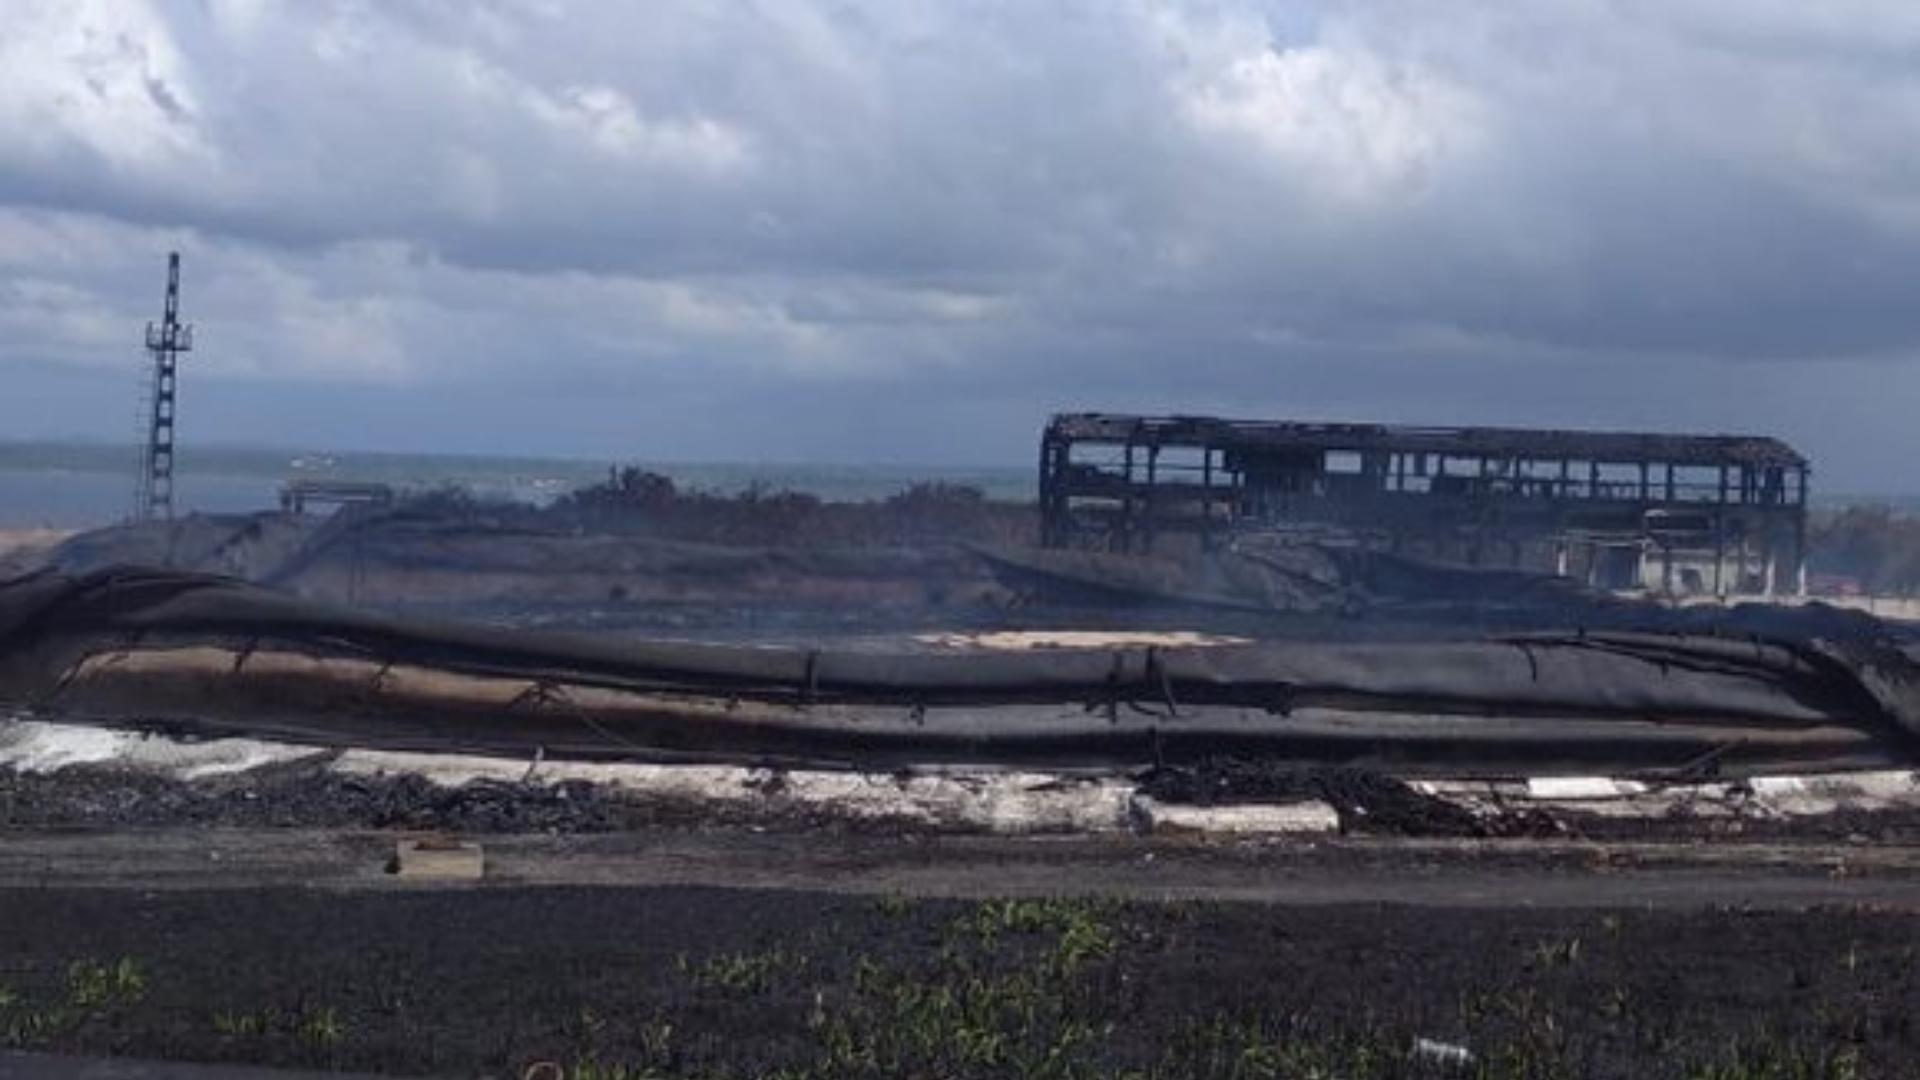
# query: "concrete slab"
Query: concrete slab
{"points": [[1265, 819], [435, 859]]}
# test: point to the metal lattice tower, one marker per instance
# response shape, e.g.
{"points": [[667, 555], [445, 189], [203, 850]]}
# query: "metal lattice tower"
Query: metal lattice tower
{"points": [[166, 340]]}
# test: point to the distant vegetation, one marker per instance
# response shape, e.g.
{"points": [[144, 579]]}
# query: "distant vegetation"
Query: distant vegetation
{"points": [[1876, 546], [637, 501]]}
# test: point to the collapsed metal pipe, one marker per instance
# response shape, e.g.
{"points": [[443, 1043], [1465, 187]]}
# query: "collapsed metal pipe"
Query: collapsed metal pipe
{"points": [[137, 645]]}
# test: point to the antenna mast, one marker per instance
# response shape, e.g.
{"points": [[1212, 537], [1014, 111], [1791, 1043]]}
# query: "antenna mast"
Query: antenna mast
{"points": [[166, 340]]}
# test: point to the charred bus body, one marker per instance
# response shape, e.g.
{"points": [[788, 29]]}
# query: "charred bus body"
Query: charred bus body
{"points": [[1718, 514]]}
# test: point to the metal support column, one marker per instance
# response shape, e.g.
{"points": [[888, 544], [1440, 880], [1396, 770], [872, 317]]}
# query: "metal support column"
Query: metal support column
{"points": [[153, 498]]}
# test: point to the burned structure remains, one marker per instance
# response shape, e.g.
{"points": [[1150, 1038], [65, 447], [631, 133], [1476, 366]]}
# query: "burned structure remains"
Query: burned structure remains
{"points": [[1718, 514], [295, 495]]}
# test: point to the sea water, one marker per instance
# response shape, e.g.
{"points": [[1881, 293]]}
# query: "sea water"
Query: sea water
{"points": [[80, 485]]}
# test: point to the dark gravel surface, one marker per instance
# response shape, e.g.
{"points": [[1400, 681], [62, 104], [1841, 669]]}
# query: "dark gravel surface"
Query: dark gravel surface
{"points": [[302, 794], [687, 981], [305, 795]]}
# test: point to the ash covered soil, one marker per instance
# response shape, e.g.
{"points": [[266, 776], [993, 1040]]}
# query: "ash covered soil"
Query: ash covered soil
{"points": [[723, 983]]}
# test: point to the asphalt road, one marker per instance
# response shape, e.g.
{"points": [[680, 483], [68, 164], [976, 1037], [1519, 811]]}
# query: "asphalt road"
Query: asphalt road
{"points": [[19, 1066], [1502, 873]]}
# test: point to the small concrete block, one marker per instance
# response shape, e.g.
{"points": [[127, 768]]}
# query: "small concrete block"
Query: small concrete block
{"points": [[1311, 816], [439, 860], [1580, 788]]}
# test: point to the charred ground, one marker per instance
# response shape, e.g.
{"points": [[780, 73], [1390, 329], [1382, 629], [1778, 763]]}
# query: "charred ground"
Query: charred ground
{"points": [[697, 982]]}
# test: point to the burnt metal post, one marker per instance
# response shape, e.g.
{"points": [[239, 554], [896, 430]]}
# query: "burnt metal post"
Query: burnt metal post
{"points": [[1800, 536], [1053, 453], [1153, 500], [1206, 498], [166, 340]]}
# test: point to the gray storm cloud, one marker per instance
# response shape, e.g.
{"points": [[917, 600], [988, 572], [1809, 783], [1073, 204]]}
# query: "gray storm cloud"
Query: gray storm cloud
{"points": [[905, 230]]}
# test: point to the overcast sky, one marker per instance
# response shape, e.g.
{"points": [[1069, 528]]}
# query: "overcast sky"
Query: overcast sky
{"points": [[905, 231]]}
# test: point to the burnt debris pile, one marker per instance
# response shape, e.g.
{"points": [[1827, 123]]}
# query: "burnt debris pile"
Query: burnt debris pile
{"points": [[1366, 800], [306, 795], [715, 559]]}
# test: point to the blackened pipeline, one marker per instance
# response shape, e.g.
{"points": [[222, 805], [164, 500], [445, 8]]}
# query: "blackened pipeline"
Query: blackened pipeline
{"points": [[1661, 697]]}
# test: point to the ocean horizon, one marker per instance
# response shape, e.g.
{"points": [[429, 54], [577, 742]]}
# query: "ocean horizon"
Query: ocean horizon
{"points": [[73, 485], [78, 484]]}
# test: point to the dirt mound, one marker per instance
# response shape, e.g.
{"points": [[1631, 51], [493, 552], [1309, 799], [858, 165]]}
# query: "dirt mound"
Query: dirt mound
{"points": [[417, 557], [248, 546], [393, 559], [520, 565], [1301, 580], [25, 550]]}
